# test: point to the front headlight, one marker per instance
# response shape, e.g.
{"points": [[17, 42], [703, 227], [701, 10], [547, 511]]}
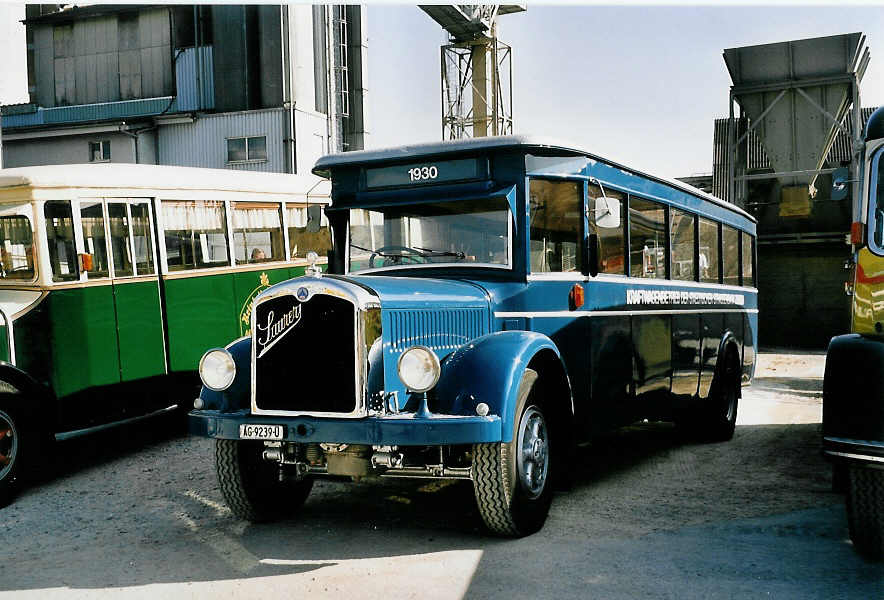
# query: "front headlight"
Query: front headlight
{"points": [[419, 369], [217, 369]]}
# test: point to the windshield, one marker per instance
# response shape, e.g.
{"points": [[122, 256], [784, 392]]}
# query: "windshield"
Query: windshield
{"points": [[461, 232], [16, 245], [878, 231]]}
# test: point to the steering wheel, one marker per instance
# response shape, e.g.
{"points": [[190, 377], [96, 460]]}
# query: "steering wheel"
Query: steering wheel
{"points": [[413, 256]]}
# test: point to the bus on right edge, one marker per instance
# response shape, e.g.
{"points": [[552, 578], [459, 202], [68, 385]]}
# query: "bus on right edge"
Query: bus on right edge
{"points": [[853, 388]]}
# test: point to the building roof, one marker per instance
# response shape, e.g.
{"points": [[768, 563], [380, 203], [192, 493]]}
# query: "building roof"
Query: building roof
{"points": [[520, 142], [74, 12]]}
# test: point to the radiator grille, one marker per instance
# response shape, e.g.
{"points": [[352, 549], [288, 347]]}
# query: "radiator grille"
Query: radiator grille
{"points": [[439, 329], [310, 367]]}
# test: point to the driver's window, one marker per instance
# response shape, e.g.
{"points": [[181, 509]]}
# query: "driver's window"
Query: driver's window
{"points": [[556, 209]]}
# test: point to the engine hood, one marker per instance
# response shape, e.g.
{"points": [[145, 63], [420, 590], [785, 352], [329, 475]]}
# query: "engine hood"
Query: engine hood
{"points": [[423, 294]]}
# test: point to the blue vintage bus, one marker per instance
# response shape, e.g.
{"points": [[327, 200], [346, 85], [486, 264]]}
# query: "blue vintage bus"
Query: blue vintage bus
{"points": [[489, 304]]}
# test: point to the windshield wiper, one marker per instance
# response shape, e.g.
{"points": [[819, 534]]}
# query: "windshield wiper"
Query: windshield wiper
{"points": [[430, 252]]}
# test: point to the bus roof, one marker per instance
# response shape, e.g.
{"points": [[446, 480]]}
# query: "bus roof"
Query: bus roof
{"points": [[160, 177], [524, 143]]}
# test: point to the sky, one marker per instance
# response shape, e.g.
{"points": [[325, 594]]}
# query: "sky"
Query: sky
{"points": [[639, 84]]}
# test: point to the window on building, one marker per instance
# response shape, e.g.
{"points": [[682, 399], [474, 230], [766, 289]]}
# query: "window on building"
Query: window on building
{"points": [[681, 230], [708, 251], [556, 225], [611, 244], [100, 151], [196, 234], [301, 240], [247, 149], [60, 239], [647, 239], [257, 232], [730, 252], [748, 259]]}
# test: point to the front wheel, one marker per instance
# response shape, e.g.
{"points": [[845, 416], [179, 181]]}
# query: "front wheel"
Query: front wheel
{"points": [[865, 509], [511, 480], [250, 485]]}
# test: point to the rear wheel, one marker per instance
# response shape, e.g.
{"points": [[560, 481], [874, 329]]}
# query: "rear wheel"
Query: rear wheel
{"points": [[11, 454], [512, 480], [865, 509], [251, 485], [714, 419]]}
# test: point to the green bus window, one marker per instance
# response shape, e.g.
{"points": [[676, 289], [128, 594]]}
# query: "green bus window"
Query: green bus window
{"points": [[257, 232], [94, 238], [302, 241], [647, 239], [60, 239], [681, 242], [196, 234], [556, 217], [748, 255], [611, 244], [731, 253], [142, 236], [119, 239], [709, 245], [16, 248]]}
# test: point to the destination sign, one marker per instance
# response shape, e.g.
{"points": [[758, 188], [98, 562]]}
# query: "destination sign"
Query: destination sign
{"points": [[442, 171]]}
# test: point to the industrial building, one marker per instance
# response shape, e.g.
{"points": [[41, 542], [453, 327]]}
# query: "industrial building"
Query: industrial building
{"points": [[799, 120], [250, 87]]}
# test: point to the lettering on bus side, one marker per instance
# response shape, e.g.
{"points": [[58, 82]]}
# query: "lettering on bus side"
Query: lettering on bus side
{"points": [[657, 297]]}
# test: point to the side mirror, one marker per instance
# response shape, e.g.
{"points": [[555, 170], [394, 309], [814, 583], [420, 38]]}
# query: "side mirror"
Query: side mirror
{"points": [[606, 213], [840, 179], [314, 218]]}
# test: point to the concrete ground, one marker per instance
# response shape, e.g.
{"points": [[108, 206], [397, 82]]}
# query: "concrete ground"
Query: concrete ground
{"points": [[137, 514]]}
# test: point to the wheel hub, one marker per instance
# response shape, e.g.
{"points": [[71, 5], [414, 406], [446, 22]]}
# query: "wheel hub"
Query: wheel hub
{"points": [[533, 457], [8, 444]]}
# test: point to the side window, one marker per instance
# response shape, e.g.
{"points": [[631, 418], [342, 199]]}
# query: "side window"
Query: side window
{"points": [[681, 232], [119, 238], [708, 251], [611, 244], [142, 237], [196, 234], [16, 248], [647, 239], [60, 238], [748, 259], [257, 232], [730, 250], [556, 218], [94, 239], [301, 239]]}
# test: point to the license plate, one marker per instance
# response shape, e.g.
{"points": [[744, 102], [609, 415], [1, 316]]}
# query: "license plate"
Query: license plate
{"points": [[261, 432]]}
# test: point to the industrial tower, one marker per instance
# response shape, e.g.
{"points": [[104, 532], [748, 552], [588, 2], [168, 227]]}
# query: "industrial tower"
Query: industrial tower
{"points": [[477, 93]]}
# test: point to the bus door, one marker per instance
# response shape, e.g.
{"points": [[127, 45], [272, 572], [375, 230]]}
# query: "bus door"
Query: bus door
{"points": [[139, 319]]}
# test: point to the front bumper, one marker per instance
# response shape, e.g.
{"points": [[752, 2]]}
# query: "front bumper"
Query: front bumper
{"points": [[393, 430], [850, 449]]}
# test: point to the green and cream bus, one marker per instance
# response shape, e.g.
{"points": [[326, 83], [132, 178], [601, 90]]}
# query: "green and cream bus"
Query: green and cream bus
{"points": [[114, 279]]}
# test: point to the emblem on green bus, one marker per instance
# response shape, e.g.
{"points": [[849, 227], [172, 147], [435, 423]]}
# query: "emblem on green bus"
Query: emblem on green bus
{"points": [[245, 313]]}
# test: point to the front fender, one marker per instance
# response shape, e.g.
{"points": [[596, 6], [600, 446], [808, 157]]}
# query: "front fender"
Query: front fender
{"points": [[238, 395], [853, 388], [489, 370]]}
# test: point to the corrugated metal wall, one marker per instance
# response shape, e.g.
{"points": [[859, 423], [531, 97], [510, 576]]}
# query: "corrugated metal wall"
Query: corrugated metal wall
{"points": [[186, 79], [203, 143]]}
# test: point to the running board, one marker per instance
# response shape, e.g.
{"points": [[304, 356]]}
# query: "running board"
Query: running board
{"points": [[60, 437]]}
